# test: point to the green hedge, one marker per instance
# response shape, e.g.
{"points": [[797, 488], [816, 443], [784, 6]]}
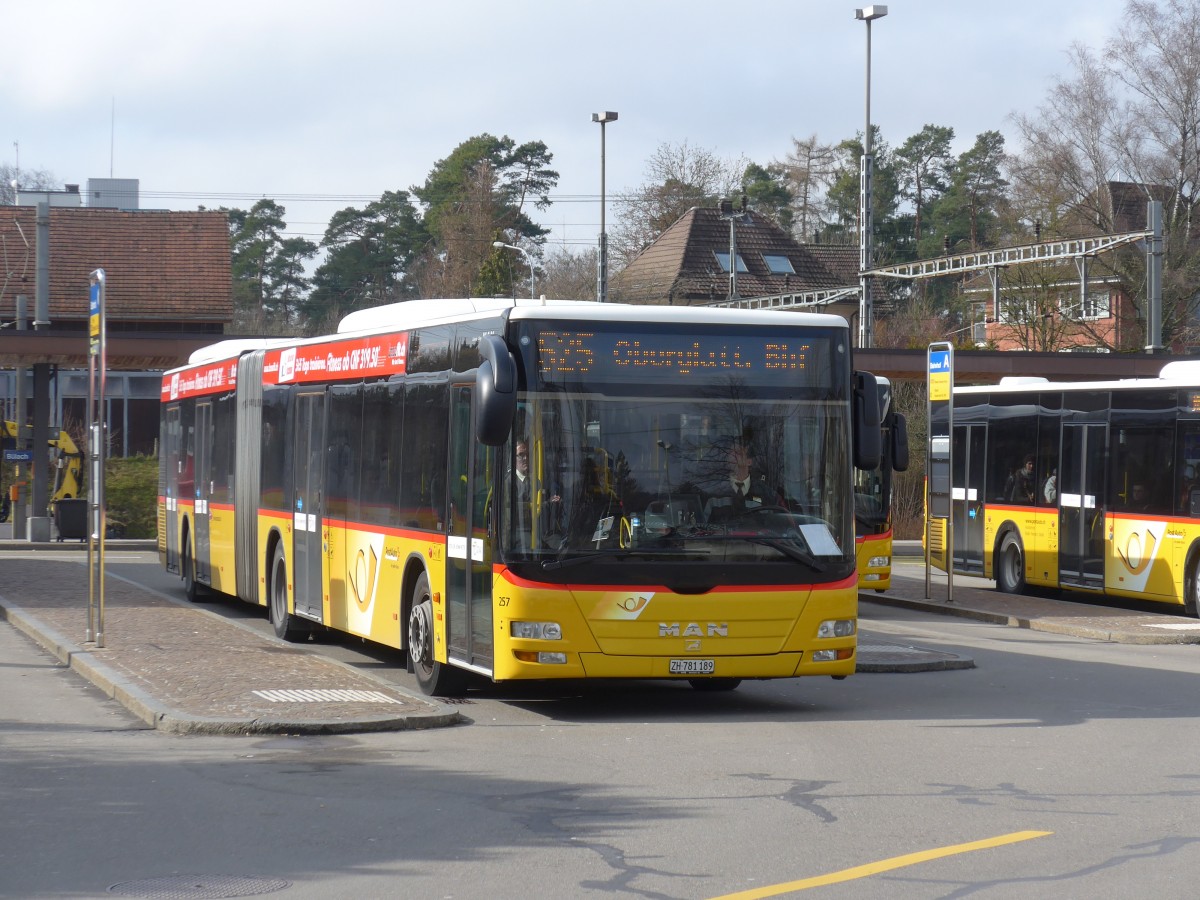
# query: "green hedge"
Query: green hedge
{"points": [[131, 496]]}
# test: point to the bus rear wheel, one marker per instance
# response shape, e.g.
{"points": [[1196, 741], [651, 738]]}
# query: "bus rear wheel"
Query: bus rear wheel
{"points": [[287, 627], [191, 588], [1010, 565], [435, 678]]}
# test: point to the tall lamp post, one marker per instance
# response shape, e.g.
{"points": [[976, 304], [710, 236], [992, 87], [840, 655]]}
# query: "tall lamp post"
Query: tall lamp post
{"points": [[866, 315], [528, 260], [602, 260]]}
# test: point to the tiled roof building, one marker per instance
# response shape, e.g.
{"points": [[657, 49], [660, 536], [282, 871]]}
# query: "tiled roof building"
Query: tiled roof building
{"points": [[689, 263], [165, 271]]}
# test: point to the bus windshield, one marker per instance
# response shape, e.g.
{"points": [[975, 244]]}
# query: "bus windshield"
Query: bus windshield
{"points": [[716, 446]]}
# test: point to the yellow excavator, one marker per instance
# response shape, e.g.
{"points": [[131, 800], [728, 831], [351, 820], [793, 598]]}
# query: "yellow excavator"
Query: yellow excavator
{"points": [[67, 463]]}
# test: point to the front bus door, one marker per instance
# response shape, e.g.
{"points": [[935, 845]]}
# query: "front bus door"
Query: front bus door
{"points": [[1081, 509], [967, 497], [469, 547], [308, 511]]}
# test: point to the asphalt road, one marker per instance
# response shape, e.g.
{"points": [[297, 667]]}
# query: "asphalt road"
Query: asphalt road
{"points": [[1057, 767]]}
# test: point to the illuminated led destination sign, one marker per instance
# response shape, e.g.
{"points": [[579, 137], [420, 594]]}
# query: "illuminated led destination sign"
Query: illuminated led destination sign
{"points": [[628, 356]]}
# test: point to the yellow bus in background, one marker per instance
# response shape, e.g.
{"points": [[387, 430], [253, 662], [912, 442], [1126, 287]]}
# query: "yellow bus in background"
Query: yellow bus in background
{"points": [[1085, 486], [514, 490], [873, 496]]}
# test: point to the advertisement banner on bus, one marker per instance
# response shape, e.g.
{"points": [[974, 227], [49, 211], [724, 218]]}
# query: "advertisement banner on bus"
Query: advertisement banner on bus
{"points": [[368, 357]]}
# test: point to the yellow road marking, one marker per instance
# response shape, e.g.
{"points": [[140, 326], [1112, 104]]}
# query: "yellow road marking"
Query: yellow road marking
{"points": [[884, 865]]}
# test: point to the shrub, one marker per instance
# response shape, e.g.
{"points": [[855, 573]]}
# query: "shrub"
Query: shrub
{"points": [[131, 496]]}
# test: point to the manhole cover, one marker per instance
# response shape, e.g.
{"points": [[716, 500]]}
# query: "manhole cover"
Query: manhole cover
{"points": [[199, 887]]}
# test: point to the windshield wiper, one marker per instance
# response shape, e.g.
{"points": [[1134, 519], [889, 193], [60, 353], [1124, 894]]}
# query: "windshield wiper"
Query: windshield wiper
{"points": [[790, 550], [787, 548]]}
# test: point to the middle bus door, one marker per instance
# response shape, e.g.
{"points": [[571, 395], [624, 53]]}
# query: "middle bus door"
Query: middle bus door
{"points": [[1081, 509], [308, 505], [469, 547], [203, 562], [967, 497]]}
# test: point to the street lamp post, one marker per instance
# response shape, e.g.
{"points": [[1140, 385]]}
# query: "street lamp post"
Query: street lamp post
{"points": [[728, 212], [528, 260], [602, 260], [866, 329]]}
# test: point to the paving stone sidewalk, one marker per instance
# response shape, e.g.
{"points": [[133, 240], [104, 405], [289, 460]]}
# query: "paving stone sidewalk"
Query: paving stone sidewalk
{"points": [[183, 669]]}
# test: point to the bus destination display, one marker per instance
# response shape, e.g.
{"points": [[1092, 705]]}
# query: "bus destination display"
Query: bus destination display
{"points": [[659, 357]]}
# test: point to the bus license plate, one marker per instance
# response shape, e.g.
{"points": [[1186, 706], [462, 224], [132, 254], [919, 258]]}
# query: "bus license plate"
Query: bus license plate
{"points": [[692, 666]]}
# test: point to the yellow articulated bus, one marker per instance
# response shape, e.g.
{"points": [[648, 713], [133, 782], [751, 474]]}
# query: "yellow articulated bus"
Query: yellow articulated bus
{"points": [[1088, 486], [873, 496], [533, 489]]}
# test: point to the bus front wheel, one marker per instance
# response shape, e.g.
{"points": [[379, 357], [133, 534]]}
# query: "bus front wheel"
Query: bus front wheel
{"points": [[435, 678], [1191, 592], [1010, 568]]}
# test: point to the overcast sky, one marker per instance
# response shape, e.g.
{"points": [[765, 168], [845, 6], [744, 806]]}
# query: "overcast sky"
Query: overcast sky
{"points": [[326, 105]]}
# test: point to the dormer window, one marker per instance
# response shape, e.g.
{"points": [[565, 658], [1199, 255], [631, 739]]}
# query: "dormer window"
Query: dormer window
{"points": [[723, 262], [778, 265]]}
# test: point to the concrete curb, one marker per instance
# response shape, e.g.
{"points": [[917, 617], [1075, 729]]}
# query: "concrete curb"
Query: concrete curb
{"points": [[169, 720], [883, 656], [1049, 616], [110, 546]]}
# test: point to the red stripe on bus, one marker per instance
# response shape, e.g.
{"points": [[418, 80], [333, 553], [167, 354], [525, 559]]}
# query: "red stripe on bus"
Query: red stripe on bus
{"points": [[844, 584]]}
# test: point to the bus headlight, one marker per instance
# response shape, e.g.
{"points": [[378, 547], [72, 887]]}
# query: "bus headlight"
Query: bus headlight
{"points": [[532, 656], [542, 631], [836, 628], [878, 562], [832, 655], [872, 576]]}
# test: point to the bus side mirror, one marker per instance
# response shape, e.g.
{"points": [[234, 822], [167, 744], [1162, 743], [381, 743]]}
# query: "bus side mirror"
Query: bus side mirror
{"points": [[900, 443], [495, 391], [868, 442]]}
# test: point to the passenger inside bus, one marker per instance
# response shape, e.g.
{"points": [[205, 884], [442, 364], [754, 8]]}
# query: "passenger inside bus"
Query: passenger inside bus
{"points": [[1020, 485], [1139, 497], [1050, 488]]}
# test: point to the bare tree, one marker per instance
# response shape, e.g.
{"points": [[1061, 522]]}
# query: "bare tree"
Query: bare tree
{"points": [[1157, 56], [25, 179], [810, 169], [678, 177], [1040, 310], [1074, 146], [468, 228], [1131, 114], [569, 276], [921, 324]]}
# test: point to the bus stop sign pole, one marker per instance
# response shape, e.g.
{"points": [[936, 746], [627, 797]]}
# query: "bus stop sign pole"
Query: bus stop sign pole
{"points": [[97, 364], [940, 459]]}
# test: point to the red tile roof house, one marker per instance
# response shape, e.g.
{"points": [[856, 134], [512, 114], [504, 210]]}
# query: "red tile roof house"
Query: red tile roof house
{"points": [[688, 264], [167, 273]]}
